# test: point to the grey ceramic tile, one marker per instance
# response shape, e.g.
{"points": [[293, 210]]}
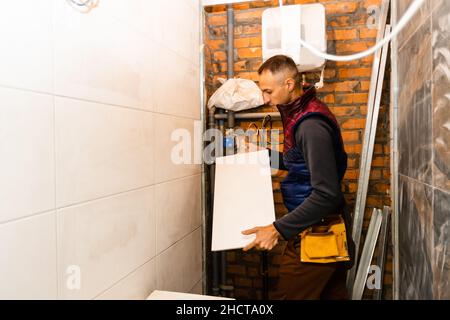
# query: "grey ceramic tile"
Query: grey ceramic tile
{"points": [[415, 110], [418, 19], [415, 219], [441, 95], [441, 265]]}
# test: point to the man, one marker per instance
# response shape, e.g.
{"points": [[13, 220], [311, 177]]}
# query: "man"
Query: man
{"points": [[316, 162]]}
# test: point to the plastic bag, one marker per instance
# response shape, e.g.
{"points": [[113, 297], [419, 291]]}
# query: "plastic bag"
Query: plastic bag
{"points": [[237, 95]]}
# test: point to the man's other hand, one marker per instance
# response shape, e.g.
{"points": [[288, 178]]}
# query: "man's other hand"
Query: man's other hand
{"points": [[266, 238]]}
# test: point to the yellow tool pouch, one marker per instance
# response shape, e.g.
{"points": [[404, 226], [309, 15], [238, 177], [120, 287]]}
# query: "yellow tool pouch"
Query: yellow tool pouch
{"points": [[325, 243]]}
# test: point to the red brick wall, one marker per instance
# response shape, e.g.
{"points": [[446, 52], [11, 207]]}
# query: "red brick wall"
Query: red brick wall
{"points": [[346, 93]]}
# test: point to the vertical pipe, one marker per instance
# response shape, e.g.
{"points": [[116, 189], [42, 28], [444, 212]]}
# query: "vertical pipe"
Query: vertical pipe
{"points": [[265, 274], [215, 255], [205, 279], [227, 290], [230, 55]]}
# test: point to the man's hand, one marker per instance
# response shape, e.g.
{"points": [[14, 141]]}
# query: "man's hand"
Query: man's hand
{"points": [[266, 238]]}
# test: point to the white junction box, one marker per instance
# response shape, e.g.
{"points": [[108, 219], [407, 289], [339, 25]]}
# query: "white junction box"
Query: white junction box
{"points": [[283, 27]]}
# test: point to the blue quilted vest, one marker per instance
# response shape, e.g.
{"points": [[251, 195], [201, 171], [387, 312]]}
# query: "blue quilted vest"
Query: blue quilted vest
{"points": [[296, 187]]}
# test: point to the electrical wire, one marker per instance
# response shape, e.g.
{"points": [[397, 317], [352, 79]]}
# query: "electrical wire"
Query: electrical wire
{"points": [[81, 3], [83, 6], [412, 10]]}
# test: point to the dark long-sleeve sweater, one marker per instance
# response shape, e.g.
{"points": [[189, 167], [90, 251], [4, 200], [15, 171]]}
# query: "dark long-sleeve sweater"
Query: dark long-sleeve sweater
{"points": [[314, 138]]}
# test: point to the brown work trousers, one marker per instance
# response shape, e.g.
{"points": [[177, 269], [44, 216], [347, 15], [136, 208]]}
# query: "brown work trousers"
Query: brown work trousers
{"points": [[308, 281]]}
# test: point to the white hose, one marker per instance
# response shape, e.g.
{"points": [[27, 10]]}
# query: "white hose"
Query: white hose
{"points": [[399, 27]]}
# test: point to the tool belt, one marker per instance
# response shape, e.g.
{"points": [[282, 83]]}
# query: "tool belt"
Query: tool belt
{"points": [[325, 242]]}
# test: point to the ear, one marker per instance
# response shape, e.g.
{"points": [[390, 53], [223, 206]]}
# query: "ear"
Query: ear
{"points": [[291, 84]]}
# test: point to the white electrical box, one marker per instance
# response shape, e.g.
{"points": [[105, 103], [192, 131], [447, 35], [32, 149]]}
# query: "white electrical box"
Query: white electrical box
{"points": [[282, 28]]}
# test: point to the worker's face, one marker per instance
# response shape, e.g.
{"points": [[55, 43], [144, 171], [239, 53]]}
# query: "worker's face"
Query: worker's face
{"points": [[277, 88]]}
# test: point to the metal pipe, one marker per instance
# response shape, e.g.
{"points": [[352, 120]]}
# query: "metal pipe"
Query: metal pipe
{"points": [[227, 290], [215, 255], [216, 288], [205, 278], [243, 116], [265, 275], [230, 54]]}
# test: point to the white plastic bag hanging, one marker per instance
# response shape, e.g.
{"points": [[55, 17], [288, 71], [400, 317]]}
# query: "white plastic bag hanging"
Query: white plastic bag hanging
{"points": [[236, 95]]}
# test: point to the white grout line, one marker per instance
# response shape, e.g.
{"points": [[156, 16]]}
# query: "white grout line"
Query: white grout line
{"points": [[141, 109], [96, 199]]}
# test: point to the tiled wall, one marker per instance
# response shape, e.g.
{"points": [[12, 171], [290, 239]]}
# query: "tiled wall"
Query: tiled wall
{"points": [[424, 157], [88, 102]]}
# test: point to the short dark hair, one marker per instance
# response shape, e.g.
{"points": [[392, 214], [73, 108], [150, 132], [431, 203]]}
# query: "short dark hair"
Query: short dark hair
{"points": [[281, 63]]}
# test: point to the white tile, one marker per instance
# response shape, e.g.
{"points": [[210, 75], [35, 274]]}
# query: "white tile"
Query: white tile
{"points": [[195, 4], [198, 288], [99, 57], [169, 295], [139, 15], [179, 268], [27, 167], [171, 163], [179, 30], [107, 239], [26, 44], [28, 258], [178, 210], [243, 199], [180, 76], [137, 286], [101, 150]]}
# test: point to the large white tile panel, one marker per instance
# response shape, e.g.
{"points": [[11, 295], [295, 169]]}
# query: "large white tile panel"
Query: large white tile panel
{"points": [[167, 127], [101, 150], [178, 210], [179, 268], [137, 14], [28, 258], [26, 44], [27, 168], [178, 27], [178, 75], [195, 4], [137, 286], [99, 57], [107, 239]]}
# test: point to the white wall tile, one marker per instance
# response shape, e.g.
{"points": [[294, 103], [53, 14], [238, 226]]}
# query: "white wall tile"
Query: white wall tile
{"points": [[178, 210], [176, 89], [28, 258], [137, 286], [178, 28], [101, 150], [27, 154], [99, 57], [107, 239], [26, 44], [167, 169], [179, 268], [107, 69], [198, 288]]}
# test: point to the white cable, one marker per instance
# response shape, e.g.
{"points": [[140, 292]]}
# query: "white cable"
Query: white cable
{"points": [[399, 27], [83, 6]]}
